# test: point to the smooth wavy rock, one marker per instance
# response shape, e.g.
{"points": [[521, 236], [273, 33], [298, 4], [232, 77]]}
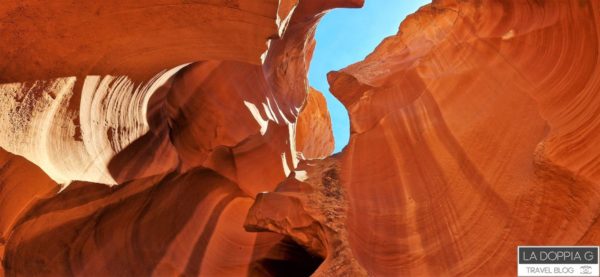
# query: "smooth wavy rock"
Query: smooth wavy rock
{"points": [[165, 225], [185, 151], [129, 38], [72, 132], [314, 138], [182, 138], [18, 192], [473, 131]]}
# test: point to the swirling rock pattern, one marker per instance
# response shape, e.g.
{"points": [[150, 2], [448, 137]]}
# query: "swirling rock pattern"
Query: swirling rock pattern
{"points": [[196, 98], [182, 138], [472, 133]]}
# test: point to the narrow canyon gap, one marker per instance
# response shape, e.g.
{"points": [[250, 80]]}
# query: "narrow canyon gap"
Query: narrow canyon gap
{"points": [[168, 137], [346, 36]]}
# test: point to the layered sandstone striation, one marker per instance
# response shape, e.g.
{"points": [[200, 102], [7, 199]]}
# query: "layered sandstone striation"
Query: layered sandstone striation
{"points": [[182, 138], [473, 132], [136, 136]]}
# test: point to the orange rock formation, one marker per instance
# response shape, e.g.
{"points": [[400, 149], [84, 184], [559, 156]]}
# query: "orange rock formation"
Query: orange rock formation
{"points": [[182, 138]]}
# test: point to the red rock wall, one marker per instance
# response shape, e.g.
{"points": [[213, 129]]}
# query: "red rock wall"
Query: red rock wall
{"points": [[473, 132], [314, 138], [184, 139], [187, 109]]}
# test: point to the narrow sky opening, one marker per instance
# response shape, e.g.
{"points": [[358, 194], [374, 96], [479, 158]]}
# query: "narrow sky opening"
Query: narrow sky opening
{"points": [[346, 36]]}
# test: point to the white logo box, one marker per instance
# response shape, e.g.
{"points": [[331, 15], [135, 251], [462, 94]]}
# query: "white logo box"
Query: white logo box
{"points": [[558, 260]]}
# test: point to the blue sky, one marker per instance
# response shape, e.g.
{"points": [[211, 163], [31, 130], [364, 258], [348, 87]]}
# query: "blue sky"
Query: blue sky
{"points": [[346, 36]]}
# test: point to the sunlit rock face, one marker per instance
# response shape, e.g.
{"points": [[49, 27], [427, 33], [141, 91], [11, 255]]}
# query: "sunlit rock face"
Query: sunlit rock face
{"points": [[136, 136], [474, 130], [182, 138], [314, 119]]}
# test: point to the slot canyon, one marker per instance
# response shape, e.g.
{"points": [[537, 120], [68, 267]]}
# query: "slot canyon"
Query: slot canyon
{"points": [[182, 138]]}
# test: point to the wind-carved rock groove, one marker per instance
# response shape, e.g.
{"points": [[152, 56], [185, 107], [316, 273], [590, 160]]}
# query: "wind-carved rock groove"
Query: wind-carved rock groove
{"points": [[192, 144]]}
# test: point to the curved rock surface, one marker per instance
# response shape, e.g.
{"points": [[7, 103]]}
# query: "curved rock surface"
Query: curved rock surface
{"points": [[473, 132], [182, 138], [191, 102], [314, 138]]}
